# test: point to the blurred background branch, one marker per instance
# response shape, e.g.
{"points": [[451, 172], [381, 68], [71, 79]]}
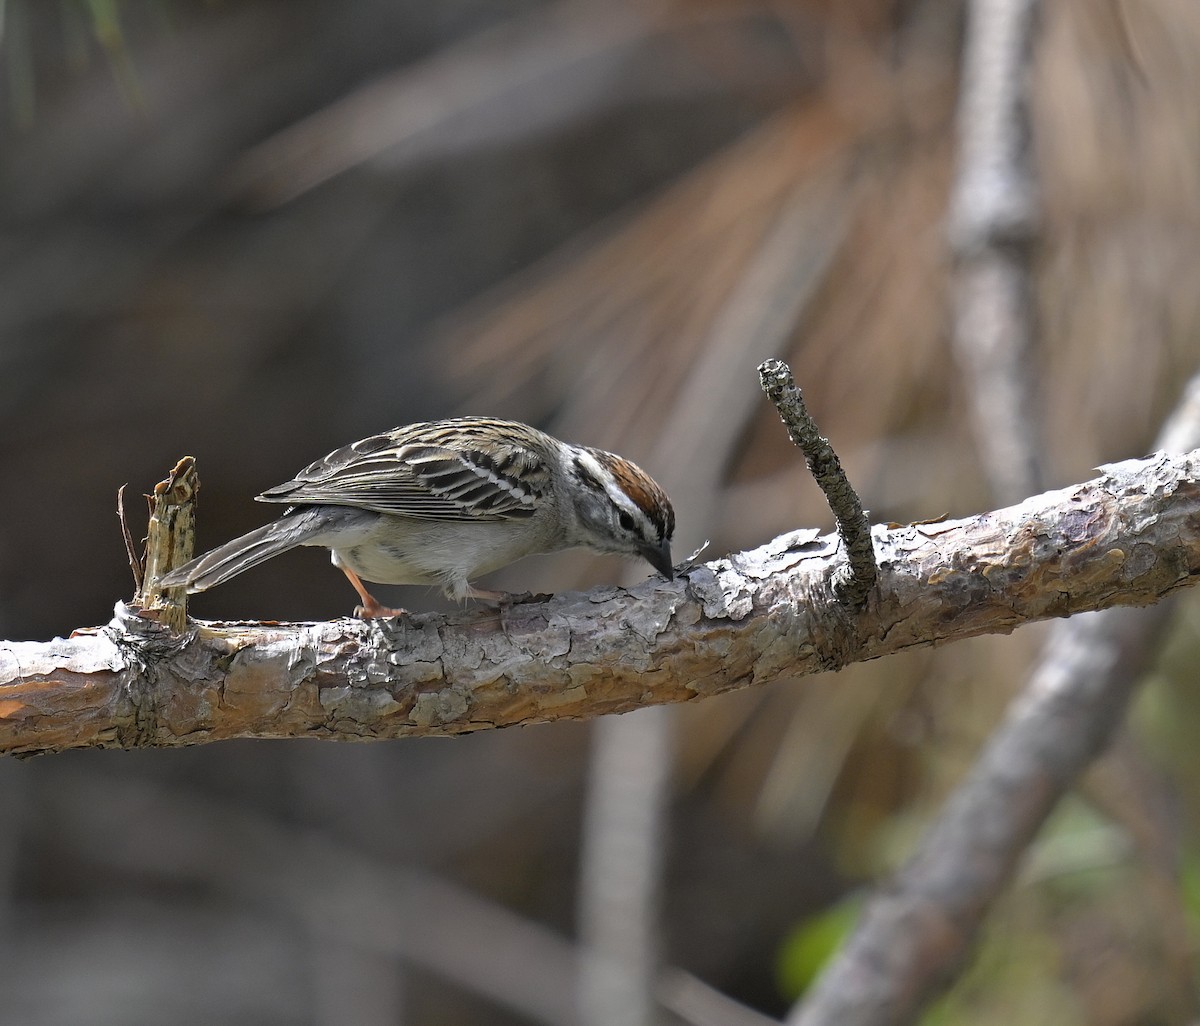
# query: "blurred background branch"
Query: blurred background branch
{"points": [[994, 228]]}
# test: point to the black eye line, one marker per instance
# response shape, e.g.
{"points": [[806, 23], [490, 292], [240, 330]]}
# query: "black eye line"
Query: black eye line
{"points": [[586, 477]]}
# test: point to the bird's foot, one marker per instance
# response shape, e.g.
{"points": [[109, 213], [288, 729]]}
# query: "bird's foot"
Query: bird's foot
{"points": [[375, 611], [371, 608]]}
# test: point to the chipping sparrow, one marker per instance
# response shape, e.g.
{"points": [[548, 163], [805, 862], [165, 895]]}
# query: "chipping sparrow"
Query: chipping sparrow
{"points": [[445, 501]]}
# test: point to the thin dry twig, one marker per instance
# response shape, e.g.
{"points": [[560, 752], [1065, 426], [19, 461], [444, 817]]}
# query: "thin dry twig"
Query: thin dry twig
{"points": [[853, 583], [135, 561]]}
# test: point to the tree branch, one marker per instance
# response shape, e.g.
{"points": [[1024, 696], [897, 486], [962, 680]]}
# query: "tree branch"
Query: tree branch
{"points": [[1125, 538]]}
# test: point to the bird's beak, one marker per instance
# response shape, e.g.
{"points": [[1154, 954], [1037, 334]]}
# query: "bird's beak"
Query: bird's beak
{"points": [[660, 559]]}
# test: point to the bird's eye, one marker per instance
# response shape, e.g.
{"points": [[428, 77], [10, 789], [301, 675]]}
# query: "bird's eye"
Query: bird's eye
{"points": [[625, 520]]}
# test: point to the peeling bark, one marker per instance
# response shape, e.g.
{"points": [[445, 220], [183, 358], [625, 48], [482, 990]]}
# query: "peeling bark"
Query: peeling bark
{"points": [[1127, 537]]}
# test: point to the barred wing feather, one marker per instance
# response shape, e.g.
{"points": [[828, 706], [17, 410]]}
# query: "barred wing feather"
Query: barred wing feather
{"points": [[435, 480]]}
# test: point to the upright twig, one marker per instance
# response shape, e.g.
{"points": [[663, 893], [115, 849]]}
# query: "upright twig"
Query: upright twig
{"points": [[854, 581], [170, 541], [131, 553]]}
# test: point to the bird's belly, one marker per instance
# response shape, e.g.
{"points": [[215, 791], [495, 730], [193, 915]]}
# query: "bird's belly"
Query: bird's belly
{"points": [[431, 552], [383, 566]]}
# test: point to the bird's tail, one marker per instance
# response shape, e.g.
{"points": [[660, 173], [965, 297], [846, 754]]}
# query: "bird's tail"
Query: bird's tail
{"points": [[233, 557]]}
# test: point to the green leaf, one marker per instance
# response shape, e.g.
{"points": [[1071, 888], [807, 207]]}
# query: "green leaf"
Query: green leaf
{"points": [[810, 944]]}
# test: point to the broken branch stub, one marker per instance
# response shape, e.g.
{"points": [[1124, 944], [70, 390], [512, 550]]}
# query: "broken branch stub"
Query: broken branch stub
{"points": [[170, 541]]}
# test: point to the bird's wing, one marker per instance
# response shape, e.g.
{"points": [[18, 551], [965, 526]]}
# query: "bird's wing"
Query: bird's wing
{"points": [[446, 470]]}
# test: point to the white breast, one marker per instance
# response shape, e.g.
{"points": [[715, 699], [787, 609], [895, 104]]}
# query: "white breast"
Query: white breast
{"points": [[447, 554]]}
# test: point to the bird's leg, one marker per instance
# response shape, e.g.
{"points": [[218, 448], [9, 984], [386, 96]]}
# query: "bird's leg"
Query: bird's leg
{"points": [[370, 608]]}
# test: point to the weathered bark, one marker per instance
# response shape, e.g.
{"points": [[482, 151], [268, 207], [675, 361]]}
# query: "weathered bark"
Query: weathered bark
{"points": [[1125, 538]]}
